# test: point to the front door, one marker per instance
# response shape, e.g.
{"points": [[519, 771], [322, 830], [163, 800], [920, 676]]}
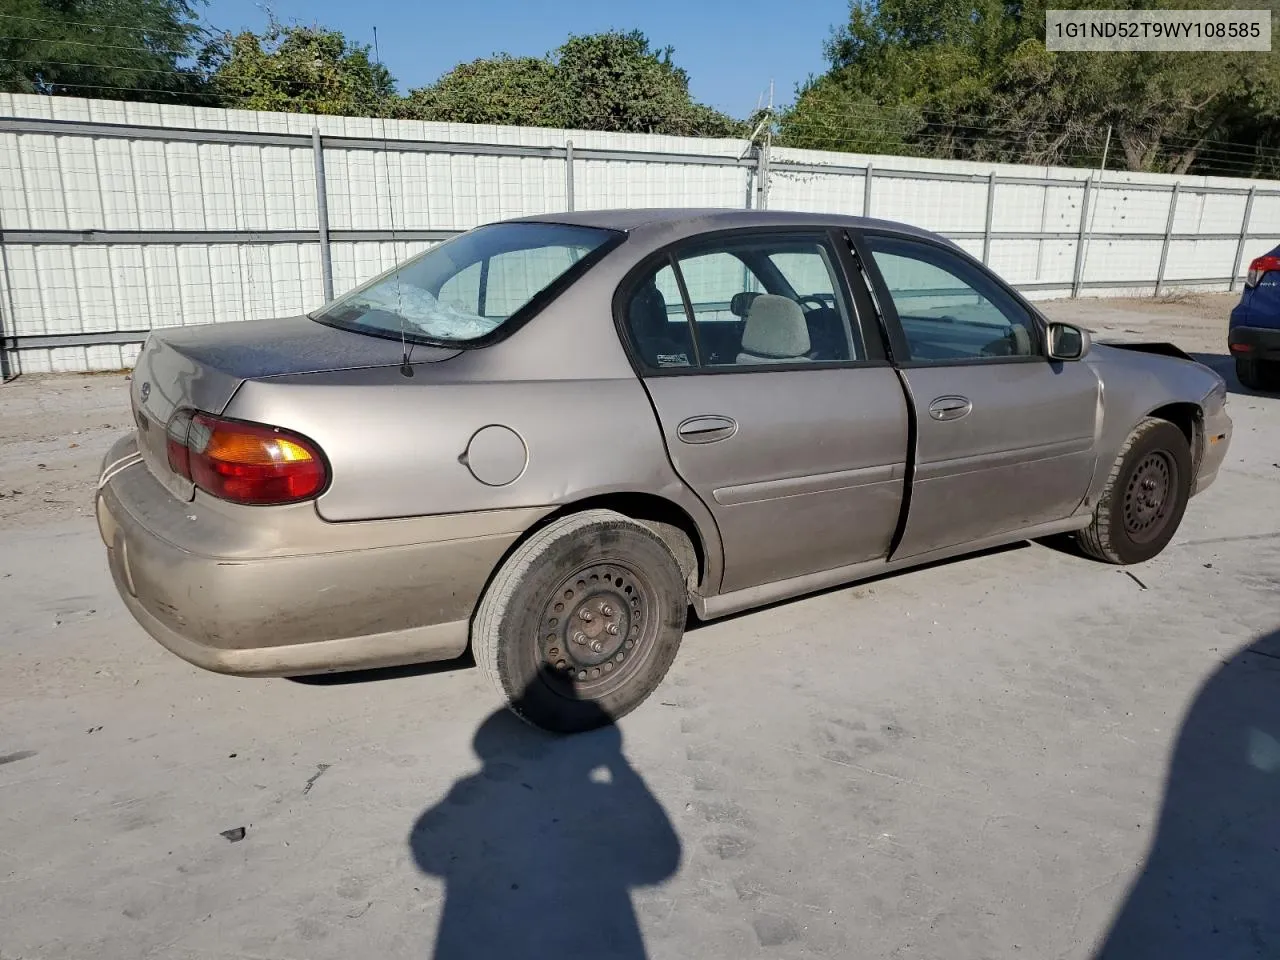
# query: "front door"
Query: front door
{"points": [[1005, 438], [774, 409]]}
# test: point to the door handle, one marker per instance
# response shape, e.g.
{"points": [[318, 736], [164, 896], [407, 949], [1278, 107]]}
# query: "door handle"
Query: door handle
{"points": [[706, 429], [950, 408]]}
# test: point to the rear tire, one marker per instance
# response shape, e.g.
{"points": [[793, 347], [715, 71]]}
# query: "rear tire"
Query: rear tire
{"points": [[582, 621], [1145, 496], [1256, 374], [1248, 374]]}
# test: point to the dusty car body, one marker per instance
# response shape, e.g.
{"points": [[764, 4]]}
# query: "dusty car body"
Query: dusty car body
{"points": [[705, 408]]}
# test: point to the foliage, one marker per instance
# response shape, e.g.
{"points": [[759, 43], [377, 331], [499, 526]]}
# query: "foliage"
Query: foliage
{"points": [[300, 69], [968, 79], [118, 49], [501, 89], [613, 81], [606, 81], [972, 79]]}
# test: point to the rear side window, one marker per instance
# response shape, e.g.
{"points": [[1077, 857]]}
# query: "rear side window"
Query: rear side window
{"points": [[655, 314], [467, 287], [744, 302]]}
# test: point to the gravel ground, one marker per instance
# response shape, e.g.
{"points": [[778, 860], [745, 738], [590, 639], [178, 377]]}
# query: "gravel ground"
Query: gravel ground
{"points": [[1020, 754]]}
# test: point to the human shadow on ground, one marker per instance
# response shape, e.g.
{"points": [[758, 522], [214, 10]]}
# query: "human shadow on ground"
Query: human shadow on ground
{"points": [[1210, 887], [539, 851]]}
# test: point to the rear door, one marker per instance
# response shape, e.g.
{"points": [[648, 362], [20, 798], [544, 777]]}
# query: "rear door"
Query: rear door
{"points": [[777, 407], [1004, 437]]}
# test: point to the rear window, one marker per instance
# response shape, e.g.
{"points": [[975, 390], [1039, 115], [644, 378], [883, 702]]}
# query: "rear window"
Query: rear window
{"points": [[467, 287]]}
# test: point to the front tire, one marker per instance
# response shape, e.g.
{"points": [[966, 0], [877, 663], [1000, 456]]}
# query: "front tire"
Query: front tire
{"points": [[582, 621], [1145, 496]]}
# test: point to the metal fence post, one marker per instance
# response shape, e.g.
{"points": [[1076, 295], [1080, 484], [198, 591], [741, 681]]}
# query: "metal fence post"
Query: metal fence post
{"points": [[568, 174], [6, 369], [991, 207], [1076, 278], [1244, 235], [322, 215], [866, 190], [762, 175], [1168, 234], [1044, 222]]}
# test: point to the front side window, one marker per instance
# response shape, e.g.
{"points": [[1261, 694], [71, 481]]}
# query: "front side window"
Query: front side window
{"points": [[949, 310], [467, 287], [751, 301]]}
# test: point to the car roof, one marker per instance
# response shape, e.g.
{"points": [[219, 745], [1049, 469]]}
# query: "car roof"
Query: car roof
{"points": [[688, 221]]}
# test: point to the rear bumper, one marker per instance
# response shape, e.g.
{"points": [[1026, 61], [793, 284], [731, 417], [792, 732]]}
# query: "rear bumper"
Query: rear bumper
{"points": [[277, 591], [1254, 343], [1217, 438]]}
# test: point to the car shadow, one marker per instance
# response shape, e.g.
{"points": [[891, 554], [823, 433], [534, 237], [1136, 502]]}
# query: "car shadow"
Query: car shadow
{"points": [[540, 849], [693, 623], [1210, 886], [466, 661], [379, 674]]}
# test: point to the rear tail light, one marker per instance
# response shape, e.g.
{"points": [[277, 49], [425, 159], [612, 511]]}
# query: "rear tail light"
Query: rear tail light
{"points": [[1259, 268], [175, 442], [244, 462]]}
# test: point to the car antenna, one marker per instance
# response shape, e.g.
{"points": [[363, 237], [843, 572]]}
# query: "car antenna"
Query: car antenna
{"points": [[406, 370]]}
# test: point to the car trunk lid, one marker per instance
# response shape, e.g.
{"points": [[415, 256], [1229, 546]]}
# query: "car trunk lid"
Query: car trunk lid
{"points": [[202, 367]]}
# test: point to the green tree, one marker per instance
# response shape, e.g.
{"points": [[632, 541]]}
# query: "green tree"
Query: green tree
{"points": [[518, 91], [606, 81], [972, 79], [614, 81], [898, 68], [300, 69], [1169, 112], [117, 49]]}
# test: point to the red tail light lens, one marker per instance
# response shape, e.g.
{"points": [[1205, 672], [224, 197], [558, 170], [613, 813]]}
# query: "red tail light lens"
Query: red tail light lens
{"points": [[244, 462], [1260, 268], [175, 442]]}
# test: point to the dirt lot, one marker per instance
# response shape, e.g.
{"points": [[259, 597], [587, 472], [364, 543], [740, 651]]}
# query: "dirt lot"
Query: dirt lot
{"points": [[1021, 754]]}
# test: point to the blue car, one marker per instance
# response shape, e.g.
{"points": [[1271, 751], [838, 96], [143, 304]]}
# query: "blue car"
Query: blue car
{"points": [[1254, 333]]}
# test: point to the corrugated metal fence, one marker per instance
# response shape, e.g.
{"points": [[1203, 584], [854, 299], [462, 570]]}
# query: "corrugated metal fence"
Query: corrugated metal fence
{"points": [[119, 217]]}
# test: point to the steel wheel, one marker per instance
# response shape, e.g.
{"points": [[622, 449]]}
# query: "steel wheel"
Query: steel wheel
{"points": [[598, 627], [1146, 492], [582, 620], [1147, 498]]}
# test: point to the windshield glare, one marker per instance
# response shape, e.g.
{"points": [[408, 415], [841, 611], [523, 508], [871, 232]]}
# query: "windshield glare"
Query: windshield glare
{"points": [[466, 287]]}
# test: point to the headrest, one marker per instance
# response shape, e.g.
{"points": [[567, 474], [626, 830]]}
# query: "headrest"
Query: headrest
{"points": [[775, 328]]}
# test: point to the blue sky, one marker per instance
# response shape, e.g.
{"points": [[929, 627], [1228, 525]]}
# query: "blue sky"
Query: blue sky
{"points": [[730, 50]]}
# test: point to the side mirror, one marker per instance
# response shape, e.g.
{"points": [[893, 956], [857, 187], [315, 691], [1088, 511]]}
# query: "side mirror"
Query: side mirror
{"points": [[1067, 342]]}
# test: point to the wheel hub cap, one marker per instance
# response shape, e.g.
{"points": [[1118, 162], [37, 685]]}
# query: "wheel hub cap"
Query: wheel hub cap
{"points": [[1147, 499], [599, 625], [594, 627]]}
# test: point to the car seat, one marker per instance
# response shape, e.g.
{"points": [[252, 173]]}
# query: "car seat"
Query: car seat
{"points": [[661, 342], [775, 332]]}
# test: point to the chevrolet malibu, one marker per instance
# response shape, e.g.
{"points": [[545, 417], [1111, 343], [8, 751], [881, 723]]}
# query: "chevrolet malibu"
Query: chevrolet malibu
{"points": [[547, 439]]}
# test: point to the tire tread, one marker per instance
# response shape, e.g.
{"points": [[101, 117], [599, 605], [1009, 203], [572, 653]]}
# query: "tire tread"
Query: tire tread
{"points": [[1097, 539], [486, 637]]}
